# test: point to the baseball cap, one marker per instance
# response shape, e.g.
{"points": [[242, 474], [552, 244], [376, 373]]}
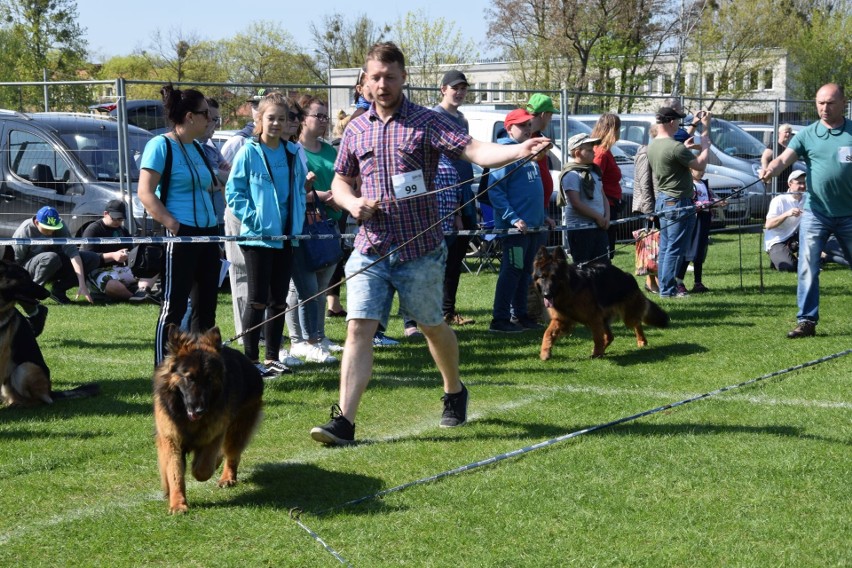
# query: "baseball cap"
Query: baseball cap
{"points": [[517, 116], [579, 139], [116, 209], [254, 99], [668, 114], [540, 103], [454, 77], [48, 218], [796, 175]]}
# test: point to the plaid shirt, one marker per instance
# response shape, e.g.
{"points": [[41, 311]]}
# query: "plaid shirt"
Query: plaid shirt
{"points": [[413, 139], [450, 199]]}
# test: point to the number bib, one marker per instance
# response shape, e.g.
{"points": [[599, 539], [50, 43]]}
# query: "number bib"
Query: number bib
{"points": [[409, 184]]}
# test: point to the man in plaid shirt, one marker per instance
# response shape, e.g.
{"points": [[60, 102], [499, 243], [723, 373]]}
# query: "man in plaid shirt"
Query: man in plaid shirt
{"points": [[394, 147]]}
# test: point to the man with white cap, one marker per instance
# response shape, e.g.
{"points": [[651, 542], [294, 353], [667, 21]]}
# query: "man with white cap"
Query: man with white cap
{"points": [[781, 239]]}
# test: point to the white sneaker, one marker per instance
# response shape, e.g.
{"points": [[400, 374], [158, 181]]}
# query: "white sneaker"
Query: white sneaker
{"points": [[316, 354], [331, 346], [299, 348], [288, 359]]}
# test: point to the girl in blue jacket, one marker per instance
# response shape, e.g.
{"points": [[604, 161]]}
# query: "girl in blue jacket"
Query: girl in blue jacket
{"points": [[266, 192]]}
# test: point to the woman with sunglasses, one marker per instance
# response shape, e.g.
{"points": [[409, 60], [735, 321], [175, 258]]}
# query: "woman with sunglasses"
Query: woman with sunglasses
{"points": [[175, 181], [265, 191]]}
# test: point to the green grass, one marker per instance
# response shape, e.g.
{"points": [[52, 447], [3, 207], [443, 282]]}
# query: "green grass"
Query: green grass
{"points": [[754, 477]]}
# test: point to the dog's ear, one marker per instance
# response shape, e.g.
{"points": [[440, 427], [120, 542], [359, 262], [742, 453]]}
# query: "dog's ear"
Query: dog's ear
{"points": [[559, 254], [214, 337], [175, 338], [542, 252]]}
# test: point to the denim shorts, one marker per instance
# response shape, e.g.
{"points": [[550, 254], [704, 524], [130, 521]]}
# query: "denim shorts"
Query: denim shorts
{"points": [[419, 282]]}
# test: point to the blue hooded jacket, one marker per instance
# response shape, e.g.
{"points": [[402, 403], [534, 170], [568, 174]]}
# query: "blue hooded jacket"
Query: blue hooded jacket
{"points": [[518, 195], [262, 207]]}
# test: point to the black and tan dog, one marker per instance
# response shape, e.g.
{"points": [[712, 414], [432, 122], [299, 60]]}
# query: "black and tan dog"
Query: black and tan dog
{"points": [[24, 376], [593, 295], [207, 400]]}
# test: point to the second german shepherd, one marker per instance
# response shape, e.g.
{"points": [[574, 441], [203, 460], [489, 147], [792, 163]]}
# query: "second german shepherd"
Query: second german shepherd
{"points": [[24, 375], [593, 295], [207, 401]]}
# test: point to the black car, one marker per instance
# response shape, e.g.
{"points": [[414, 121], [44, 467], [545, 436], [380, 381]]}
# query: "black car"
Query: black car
{"points": [[144, 113], [67, 160]]}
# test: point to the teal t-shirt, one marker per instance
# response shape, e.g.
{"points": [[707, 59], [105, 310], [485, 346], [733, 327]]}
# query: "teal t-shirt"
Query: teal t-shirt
{"points": [[322, 165], [188, 201], [669, 160], [828, 154]]}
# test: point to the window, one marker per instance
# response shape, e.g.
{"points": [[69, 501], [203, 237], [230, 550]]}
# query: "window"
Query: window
{"points": [[753, 81], [709, 82], [767, 79], [34, 159], [668, 84], [483, 92], [507, 88], [496, 94]]}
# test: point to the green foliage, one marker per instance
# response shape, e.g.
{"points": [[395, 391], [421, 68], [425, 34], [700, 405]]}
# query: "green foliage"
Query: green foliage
{"points": [[820, 50], [344, 44], [757, 476]]}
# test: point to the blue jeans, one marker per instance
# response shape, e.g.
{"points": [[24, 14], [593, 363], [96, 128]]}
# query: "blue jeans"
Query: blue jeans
{"points": [[814, 230], [307, 323], [513, 281], [676, 229]]}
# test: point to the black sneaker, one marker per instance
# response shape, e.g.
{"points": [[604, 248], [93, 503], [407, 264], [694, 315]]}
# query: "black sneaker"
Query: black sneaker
{"points": [[504, 326], [336, 432], [804, 329], [455, 409], [278, 367], [38, 319], [529, 323], [60, 297], [266, 372]]}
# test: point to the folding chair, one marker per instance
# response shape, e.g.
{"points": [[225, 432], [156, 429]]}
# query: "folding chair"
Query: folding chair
{"points": [[489, 245]]}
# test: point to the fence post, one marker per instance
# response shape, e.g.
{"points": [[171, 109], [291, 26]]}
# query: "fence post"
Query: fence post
{"points": [[45, 90], [124, 179]]}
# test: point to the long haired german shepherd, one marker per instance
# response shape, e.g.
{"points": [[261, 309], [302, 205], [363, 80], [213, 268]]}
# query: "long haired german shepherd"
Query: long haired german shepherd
{"points": [[207, 400], [24, 375], [593, 295]]}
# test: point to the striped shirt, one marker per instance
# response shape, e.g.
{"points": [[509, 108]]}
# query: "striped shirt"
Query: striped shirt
{"points": [[412, 139], [448, 199]]}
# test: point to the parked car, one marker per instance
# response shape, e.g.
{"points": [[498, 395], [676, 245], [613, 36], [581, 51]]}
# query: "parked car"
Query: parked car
{"points": [[67, 160], [765, 132], [144, 113], [733, 154], [221, 136]]}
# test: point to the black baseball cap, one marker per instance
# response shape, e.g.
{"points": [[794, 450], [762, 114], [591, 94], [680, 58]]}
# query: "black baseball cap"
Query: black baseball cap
{"points": [[668, 114], [116, 209], [454, 77]]}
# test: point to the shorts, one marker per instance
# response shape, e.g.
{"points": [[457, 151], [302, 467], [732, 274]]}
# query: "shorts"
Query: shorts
{"points": [[100, 276], [419, 282]]}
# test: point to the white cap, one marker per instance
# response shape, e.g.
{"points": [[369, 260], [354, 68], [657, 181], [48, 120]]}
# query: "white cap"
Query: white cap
{"points": [[796, 175]]}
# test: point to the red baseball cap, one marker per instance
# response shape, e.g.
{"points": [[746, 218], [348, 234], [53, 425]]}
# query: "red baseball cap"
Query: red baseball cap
{"points": [[517, 116]]}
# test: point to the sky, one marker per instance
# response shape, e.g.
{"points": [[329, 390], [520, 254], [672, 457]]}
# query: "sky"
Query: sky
{"points": [[119, 28]]}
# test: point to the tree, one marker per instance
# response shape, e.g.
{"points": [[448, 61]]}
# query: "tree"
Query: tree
{"points": [[429, 46], [53, 41], [819, 48], [174, 55], [343, 44]]}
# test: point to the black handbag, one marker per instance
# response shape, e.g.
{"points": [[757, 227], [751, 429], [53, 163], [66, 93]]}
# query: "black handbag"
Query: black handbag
{"points": [[323, 248], [145, 260]]}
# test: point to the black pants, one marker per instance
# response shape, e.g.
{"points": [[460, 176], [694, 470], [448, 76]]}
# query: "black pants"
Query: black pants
{"points": [[190, 270], [456, 250], [268, 272]]}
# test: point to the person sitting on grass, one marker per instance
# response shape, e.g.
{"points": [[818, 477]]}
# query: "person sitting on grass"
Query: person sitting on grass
{"points": [[114, 278]]}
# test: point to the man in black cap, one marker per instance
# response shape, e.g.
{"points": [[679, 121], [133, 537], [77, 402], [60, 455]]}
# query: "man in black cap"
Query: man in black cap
{"points": [[113, 278], [670, 163], [454, 87]]}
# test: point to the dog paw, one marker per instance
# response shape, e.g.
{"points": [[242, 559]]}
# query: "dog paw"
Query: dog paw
{"points": [[545, 355], [178, 509], [227, 483]]}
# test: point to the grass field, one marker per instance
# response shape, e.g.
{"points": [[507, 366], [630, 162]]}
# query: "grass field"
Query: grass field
{"points": [[757, 476]]}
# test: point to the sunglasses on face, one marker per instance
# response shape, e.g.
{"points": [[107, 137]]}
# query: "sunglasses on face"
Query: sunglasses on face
{"points": [[321, 117], [205, 112]]}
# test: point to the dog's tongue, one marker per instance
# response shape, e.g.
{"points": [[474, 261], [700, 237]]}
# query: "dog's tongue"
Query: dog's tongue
{"points": [[192, 416], [548, 303]]}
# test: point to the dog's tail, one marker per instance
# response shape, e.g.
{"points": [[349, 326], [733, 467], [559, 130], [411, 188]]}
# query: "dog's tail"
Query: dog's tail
{"points": [[655, 315], [83, 391]]}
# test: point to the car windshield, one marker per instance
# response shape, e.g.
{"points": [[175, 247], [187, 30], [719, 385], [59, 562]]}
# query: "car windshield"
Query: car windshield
{"points": [[98, 151], [734, 141], [577, 127]]}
